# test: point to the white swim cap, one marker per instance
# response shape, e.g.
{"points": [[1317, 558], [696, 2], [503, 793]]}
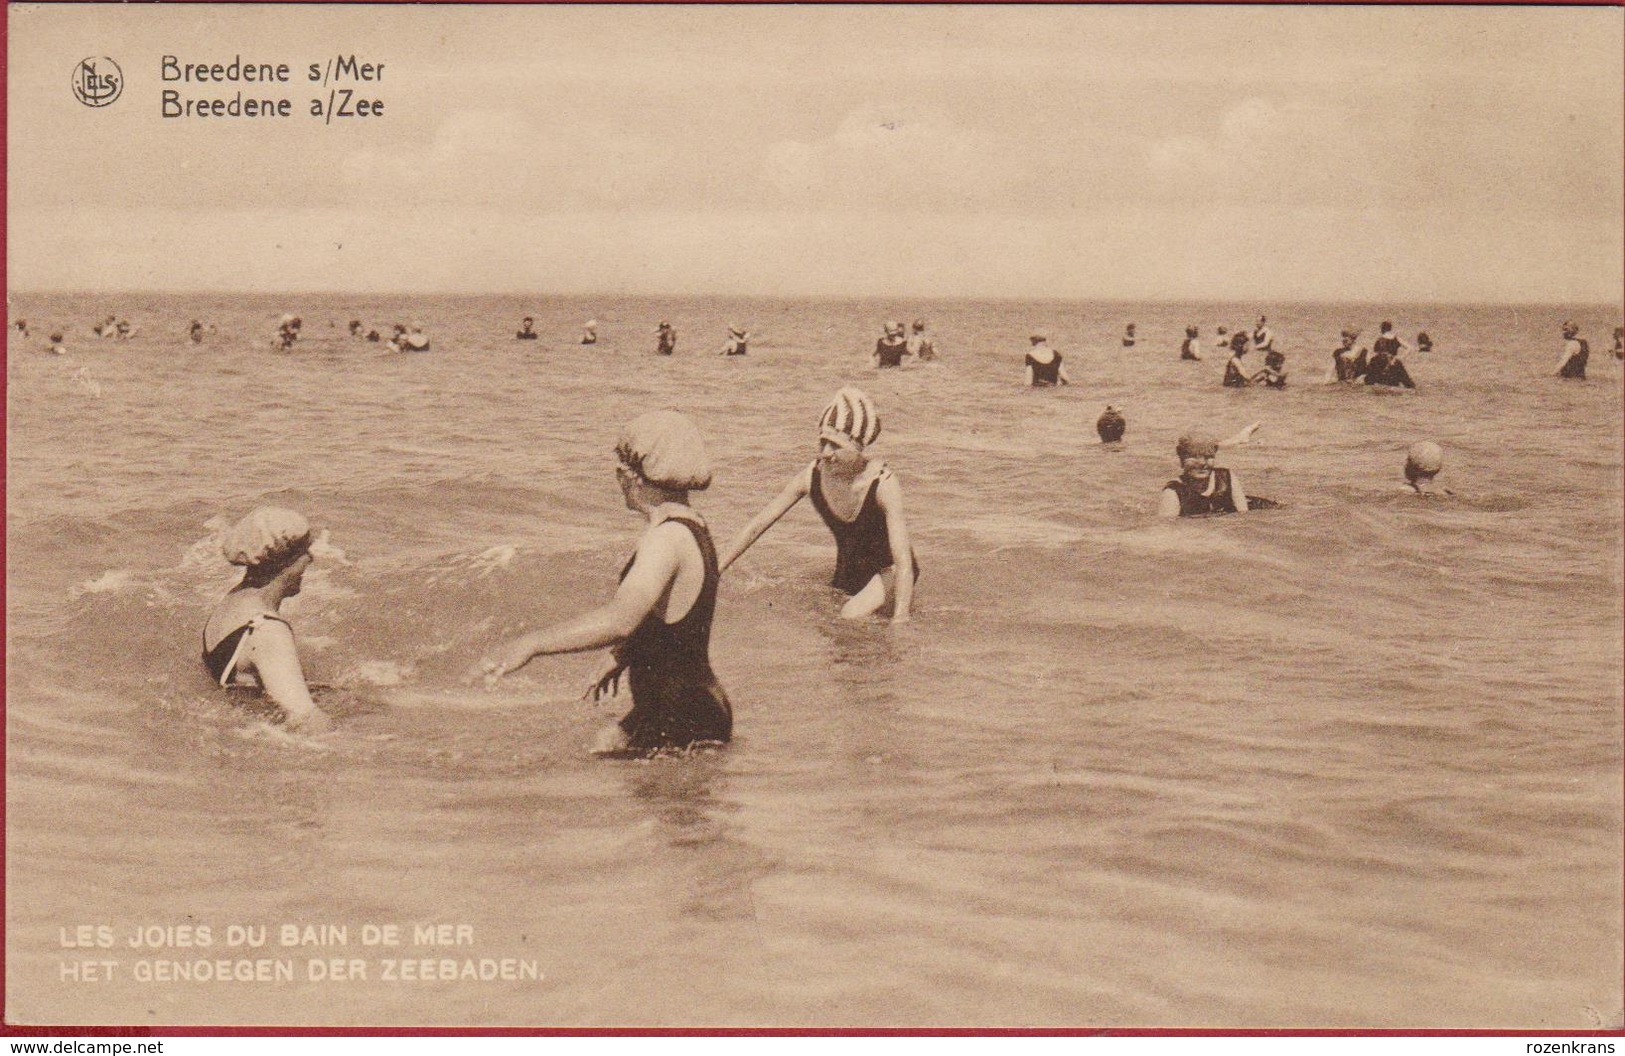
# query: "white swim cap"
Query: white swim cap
{"points": [[1425, 456], [666, 449], [268, 535]]}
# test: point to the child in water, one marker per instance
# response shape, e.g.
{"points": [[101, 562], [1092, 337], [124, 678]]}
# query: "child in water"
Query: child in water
{"points": [[861, 502], [1203, 488], [659, 621]]}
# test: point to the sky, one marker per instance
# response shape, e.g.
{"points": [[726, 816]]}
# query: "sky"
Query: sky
{"points": [[1164, 152]]}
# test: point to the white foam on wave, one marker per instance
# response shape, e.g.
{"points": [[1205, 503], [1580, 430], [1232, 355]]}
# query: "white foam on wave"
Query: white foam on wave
{"points": [[276, 734], [378, 673], [111, 581]]}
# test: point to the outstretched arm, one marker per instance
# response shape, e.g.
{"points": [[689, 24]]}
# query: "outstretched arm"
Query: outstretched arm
{"points": [[1245, 436], [1062, 376], [890, 497], [793, 492], [653, 570]]}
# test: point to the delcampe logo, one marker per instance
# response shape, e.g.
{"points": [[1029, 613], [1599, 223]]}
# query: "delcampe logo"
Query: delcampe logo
{"points": [[97, 81]]}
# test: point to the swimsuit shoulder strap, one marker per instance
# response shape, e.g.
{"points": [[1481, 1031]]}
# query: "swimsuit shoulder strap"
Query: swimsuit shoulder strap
{"points": [[238, 640]]}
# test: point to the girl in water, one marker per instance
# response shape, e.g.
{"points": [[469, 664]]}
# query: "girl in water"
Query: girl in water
{"points": [[1203, 488], [659, 621], [246, 642], [861, 502]]}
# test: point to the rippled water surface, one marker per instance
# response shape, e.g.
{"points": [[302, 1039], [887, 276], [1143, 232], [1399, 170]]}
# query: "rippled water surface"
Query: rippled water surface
{"points": [[1351, 763]]}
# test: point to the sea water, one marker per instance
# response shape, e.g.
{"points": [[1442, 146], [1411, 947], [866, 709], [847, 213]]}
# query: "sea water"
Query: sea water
{"points": [[1354, 762]]}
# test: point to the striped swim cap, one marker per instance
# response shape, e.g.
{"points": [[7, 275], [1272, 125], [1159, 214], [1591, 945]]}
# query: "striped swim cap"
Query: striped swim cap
{"points": [[851, 413]]}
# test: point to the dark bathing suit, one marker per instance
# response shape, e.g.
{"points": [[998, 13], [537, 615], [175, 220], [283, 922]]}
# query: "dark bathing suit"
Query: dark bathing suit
{"points": [[676, 698], [1045, 373], [1383, 369], [862, 547], [1575, 365], [1233, 377], [1192, 503], [891, 353], [221, 661], [1348, 366]]}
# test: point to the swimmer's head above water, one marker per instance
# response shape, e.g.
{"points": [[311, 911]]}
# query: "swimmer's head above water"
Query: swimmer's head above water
{"points": [[850, 421], [1423, 462], [665, 449], [268, 542], [1111, 425], [1196, 451]]}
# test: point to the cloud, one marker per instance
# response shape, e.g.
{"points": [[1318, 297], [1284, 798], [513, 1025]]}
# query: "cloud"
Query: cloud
{"points": [[1270, 151], [504, 157], [878, 157]]}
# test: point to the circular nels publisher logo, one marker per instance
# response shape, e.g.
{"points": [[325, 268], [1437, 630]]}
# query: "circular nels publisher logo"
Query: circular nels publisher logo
{"points": [[97, 81]]}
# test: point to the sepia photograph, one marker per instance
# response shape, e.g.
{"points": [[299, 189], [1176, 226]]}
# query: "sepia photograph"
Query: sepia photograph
{"points": [[1206, 613]]}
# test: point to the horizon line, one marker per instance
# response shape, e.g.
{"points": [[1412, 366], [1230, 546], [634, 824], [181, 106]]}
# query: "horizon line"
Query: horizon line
{"points": [[13, 292]]}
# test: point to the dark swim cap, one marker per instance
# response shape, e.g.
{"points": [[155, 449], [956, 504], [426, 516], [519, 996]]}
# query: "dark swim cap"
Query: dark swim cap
{"points": [[1111, 425]]}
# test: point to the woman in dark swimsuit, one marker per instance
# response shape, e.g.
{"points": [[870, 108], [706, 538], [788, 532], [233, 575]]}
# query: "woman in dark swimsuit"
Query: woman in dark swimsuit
{"points": [[1235, 371], [861, 502], [1203, 488], [891, 348], [1385, 367], [659, 621], [1044, 365], [246, 642]]}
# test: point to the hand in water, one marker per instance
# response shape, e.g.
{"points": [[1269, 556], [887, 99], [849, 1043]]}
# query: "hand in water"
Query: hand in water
{"points": [[498, 662], [607, 684]]}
